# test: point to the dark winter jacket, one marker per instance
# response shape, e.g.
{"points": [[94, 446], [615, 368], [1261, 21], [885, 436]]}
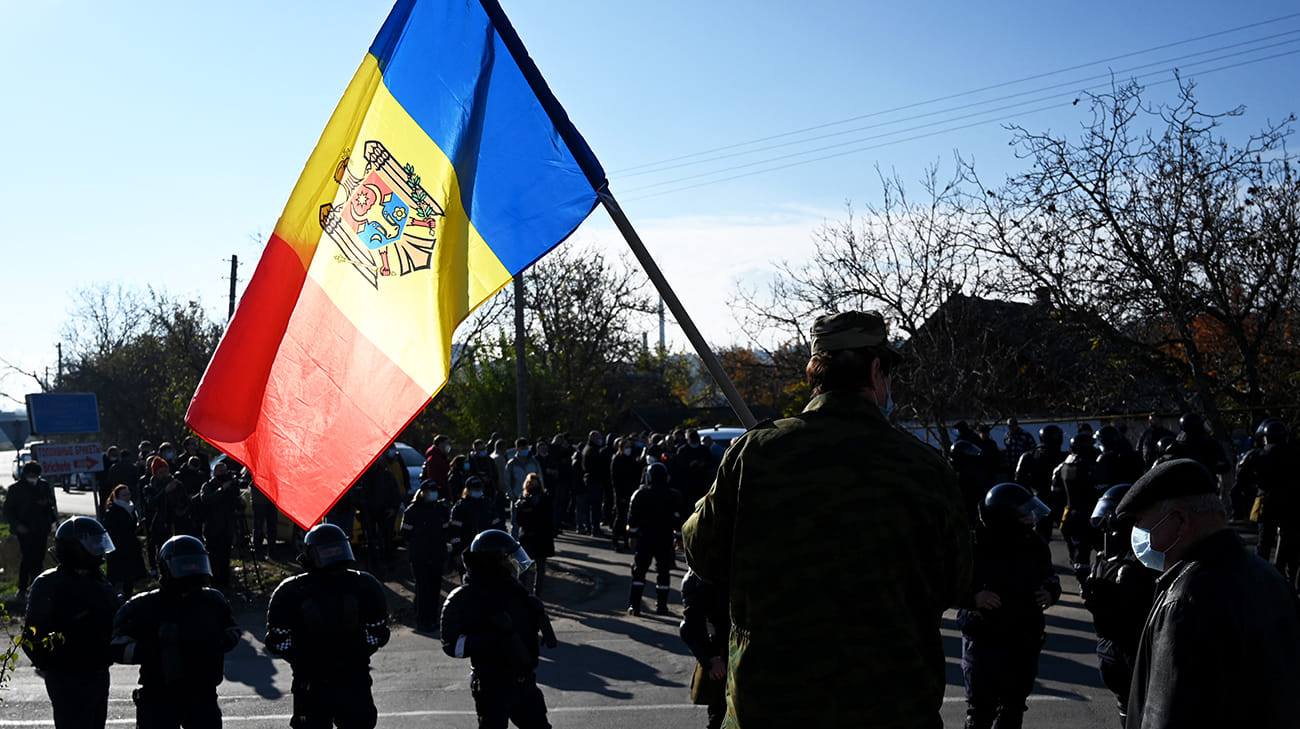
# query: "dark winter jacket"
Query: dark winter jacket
{"points": [[1221, 647], [1014, 563]]}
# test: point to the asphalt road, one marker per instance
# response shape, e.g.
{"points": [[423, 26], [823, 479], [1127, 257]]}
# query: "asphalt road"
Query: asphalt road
{"points": [[610, 670]]}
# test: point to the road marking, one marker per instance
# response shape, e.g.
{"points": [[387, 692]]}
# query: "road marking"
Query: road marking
{"points": [[449, 712]]}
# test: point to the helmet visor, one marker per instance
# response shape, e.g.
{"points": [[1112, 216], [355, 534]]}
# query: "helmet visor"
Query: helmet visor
{"points": [[521, 561], [97, 545], [332, 553], [188, 565], [1035, 509]]}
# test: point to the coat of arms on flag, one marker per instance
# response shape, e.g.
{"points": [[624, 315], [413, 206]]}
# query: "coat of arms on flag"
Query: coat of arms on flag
{"points": [[386, 222]]}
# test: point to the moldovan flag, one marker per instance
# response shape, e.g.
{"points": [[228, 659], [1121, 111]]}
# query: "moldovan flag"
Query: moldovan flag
{"points": [[447, 168]]}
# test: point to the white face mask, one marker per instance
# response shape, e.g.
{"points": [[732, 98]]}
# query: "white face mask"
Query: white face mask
{"points": [[476, 494], [523, 452], [124, 503], [1141, 540], [446, 449], [627, 451], [33, 479]]}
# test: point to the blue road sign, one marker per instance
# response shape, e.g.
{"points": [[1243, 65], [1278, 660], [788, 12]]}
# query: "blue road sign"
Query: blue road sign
{"points": [[54, 413]]}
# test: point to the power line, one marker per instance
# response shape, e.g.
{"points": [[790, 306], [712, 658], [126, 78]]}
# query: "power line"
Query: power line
{"points": [[1054, 87], [957, 95], [633, 196]]}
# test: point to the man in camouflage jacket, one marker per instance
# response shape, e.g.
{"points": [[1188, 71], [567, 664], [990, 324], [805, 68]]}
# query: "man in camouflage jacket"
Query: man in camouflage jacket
{"points": [[843, 540]]}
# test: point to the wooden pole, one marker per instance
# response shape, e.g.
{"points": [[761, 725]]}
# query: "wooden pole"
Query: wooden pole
{"points": [[711, 361]]}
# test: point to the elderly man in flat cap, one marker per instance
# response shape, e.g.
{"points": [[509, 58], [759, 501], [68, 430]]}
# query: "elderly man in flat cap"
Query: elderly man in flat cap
{"points": [[1221, 646], [843, 540]]}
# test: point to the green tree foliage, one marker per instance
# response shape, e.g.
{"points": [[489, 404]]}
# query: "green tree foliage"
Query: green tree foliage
{"points": [[583, 352], [142, 356]]}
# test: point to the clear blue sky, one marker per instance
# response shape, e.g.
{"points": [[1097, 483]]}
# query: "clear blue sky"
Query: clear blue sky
{"points": [[148, 141]]}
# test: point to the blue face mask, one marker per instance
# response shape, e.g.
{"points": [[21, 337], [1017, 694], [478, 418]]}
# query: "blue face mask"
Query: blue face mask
{"points": [[1141, 539], [889, 406]]}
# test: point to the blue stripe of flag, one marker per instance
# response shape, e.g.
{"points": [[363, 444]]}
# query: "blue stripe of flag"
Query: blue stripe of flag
{"points": [[453, 72]]}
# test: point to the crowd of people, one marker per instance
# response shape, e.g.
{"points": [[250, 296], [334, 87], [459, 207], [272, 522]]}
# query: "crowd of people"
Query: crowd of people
{"points": [[832, 531]]}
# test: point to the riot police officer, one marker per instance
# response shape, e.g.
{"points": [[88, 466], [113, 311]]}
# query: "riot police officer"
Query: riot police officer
{"points": [[1001, 617], [1119, 593], [426, 525], [69, 622], [1034, 471], [474, 513], [1117, 463], [179, 635], [327, 623], [654, 521], [495, 623], [1272, 473], [1075, 484]]}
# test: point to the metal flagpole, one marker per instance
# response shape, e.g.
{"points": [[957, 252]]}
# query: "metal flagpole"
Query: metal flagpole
{"points": [[711, 362]]}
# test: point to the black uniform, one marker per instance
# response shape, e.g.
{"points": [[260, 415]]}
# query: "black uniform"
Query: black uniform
{"points": [[1074, 483], [30, 510], [654, 523], [470, 516], [1118, 593], [327, 623], [625, 474], [426, 525], [705, 627], [68, 625], [179, 638], [1272, 474], [536, 516], [495, 623], [1034, 472], [222, 505], [1000, 646]]}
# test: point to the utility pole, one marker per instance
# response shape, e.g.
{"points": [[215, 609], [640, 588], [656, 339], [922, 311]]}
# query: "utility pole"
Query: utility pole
{"points": [[234, 277], [661, 324], [521, 365], [58, 377]]}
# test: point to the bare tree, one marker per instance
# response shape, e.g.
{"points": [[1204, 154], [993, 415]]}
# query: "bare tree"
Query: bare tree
{"points": [[1170, 243]]}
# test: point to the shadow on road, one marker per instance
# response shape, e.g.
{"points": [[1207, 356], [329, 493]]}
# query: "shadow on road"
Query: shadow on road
{"points": [[247, 664], [593, 669]]}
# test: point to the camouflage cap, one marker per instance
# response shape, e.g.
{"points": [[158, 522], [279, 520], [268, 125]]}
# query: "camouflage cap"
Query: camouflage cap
{"points": [[850, 330]]}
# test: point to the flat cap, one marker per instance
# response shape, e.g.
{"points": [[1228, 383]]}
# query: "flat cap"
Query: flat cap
{"points": [[1168, 480], [849, 330]]}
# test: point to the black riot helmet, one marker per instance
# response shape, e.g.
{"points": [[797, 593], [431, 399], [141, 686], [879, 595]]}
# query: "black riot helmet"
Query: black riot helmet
{"points": [[183, 563], [494, 554], [963, 449], [1051, 436], [1103, 514], [326, 546], [1192, 424], [81, 542], [1007, 504], [1082, 445], [1109, 437], [1275, 433], [656, 475]]}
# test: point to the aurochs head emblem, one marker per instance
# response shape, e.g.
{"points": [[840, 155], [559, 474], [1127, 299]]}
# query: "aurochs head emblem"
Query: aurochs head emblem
{"points": [[387, 224]]}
